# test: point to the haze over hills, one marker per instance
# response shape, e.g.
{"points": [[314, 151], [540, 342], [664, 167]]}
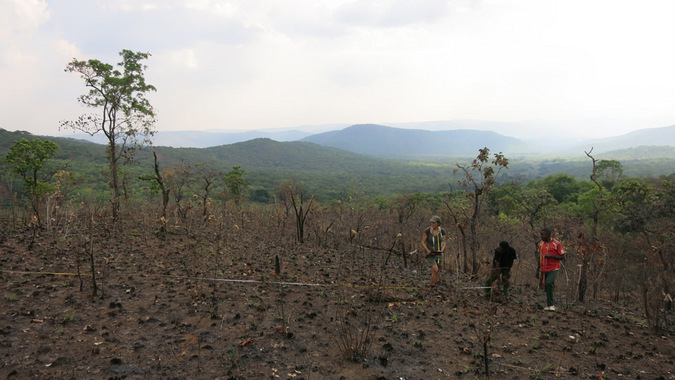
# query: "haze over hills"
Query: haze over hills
{"points": [[664, 136], [329, 172], [387, 141], [379, 140], [204, 139]]}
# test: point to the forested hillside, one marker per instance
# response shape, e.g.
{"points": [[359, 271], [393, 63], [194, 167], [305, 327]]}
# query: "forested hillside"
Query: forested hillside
{"points": [[328, 173]]}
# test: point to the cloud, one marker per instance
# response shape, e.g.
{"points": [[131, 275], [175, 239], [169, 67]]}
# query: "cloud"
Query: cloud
{"points": [[19, 21], [383, 13], [22, 17], [273, 63]]}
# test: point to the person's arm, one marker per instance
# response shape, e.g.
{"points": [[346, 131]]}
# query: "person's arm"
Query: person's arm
{"points": [[513, 257], [560, 252], [424, 242], [442, 240]]}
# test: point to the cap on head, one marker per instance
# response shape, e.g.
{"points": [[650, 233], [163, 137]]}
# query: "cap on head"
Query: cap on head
{"points": [[436, 219], [504, 244]]}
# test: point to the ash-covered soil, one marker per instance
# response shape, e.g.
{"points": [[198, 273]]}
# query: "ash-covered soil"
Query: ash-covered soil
{"points": [[198, 308]]}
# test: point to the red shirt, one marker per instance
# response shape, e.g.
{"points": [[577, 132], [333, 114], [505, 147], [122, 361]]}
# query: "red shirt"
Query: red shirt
{"points": [[553, 247]]}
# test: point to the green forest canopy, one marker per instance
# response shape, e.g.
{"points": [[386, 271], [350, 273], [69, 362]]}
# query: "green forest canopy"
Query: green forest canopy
{"points": [[327, 173]]}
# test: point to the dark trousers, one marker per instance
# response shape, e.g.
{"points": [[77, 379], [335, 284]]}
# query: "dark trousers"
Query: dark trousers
{"points": [[505, 273], [549, 285]]}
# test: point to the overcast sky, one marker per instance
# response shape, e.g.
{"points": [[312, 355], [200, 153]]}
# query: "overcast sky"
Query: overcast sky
{"points": [[593, 68]]}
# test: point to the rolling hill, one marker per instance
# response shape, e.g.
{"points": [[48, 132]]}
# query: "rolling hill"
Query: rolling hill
{"points": [[205, 139], [383, 141], [664, 136], [418, 143], [328, 172]]}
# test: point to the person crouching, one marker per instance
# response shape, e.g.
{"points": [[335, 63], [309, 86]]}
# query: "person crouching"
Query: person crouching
{"points": [[501, 268]]}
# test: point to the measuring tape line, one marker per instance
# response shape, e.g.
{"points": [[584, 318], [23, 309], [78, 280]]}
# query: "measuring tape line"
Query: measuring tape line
{"points": [[247, 281]]}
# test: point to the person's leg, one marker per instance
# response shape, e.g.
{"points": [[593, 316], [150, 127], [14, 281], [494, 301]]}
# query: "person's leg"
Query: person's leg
{"points": [[494, 274], [432, 263], [549, 286], [506, 280], [434, 274]]}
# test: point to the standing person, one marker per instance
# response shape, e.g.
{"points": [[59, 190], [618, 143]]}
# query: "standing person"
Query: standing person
{"points": [[501, 267], [433, 241], [551, 253]]}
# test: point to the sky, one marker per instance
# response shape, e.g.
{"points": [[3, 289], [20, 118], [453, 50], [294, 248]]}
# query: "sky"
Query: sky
{"points": [[591, 68]]}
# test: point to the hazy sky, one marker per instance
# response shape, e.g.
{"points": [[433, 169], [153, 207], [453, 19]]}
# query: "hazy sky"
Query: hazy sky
{"points": [[594, 68]]}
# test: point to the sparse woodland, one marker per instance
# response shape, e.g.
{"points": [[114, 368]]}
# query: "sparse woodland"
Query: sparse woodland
{"points": [[176, 273], [191, 280], [172, 268]]}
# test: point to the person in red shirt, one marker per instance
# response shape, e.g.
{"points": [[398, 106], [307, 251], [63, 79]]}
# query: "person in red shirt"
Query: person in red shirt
{"points": [[551, 253]]}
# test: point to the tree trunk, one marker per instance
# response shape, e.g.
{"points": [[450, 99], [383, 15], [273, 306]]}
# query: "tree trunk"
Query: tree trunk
{"points": [[115, 180], [583, 280], [465, 262], [474, 249], [300, 226], [474, 234]]}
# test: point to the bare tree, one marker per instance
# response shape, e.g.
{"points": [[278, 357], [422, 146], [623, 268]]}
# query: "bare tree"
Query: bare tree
{"points": [[178, 180], [162, 187], [206, 180], [302, 204], [588, 249], [458, 211]]}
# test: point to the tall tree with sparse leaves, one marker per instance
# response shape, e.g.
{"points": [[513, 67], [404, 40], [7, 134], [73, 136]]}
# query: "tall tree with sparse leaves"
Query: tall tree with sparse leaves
{"points": [[589, 248], [479, 177], [123, 115]]}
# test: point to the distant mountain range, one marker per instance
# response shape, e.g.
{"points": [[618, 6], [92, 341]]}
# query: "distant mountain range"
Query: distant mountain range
{"points": [[330, 172], [382, 141], [204, 139], [664, 136], [385, 141]]}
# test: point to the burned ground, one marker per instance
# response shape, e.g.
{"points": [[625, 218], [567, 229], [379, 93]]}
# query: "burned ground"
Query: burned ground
{"points": [[188, 307]]}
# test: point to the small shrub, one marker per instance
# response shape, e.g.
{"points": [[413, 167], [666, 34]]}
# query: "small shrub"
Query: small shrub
{"points": [[354, 335], [68, 318]]}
